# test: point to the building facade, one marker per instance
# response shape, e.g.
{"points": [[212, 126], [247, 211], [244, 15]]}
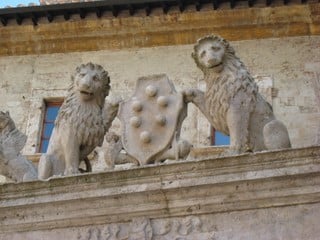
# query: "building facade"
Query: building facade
{"points": [[267, 195]]}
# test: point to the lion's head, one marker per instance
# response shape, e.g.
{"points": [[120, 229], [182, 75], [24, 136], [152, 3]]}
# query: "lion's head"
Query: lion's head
{"points": [[211, 53], [91, 83], [86, 95], [225, 75]]}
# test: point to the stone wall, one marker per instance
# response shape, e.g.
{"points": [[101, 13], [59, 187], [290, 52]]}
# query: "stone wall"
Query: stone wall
{"points": [[27, 80]]}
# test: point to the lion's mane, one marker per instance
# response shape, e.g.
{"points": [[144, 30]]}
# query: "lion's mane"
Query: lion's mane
{"points": [[6, 123], [12, 141]]}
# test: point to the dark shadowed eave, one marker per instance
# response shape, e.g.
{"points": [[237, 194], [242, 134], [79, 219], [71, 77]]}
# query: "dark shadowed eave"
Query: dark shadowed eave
{"points": [[113, 6]]}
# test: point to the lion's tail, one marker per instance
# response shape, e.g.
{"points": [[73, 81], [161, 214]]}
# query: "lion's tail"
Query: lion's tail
{"points": [[276, 135]]}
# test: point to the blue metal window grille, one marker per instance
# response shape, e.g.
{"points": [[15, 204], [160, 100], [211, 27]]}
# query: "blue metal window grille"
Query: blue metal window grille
{"points": [[51, 113]]}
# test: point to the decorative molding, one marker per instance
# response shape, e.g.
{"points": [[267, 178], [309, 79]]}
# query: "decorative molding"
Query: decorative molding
{"points": [[159, 30], [207, 186], [187, 228]]}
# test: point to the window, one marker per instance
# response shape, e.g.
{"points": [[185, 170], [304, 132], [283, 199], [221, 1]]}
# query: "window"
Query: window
{"points": [[51, 112], [218, 138]]}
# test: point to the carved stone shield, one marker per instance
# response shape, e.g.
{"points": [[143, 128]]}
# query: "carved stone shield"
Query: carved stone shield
{"points": [[150, 118]]}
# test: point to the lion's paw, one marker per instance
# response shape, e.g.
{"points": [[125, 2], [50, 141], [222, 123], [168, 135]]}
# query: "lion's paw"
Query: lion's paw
{"points": [[191, 94], [71, 171], [114, 101]]}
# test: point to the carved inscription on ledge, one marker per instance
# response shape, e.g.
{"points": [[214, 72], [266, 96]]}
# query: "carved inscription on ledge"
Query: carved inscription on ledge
{"points": [[188, 228]]}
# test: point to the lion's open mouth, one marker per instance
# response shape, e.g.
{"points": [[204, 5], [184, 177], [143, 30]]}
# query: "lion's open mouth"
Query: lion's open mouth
{"points": [[217, 65], [86, 93]]}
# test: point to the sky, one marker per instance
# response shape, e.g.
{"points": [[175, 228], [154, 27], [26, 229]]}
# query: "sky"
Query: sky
{"points": [[14, 3]]}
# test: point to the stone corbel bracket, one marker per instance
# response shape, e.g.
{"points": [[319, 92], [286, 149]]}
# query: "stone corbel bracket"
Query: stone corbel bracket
{"points": [[248, 181]]}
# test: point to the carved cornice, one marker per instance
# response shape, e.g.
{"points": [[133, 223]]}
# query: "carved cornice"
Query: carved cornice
{"points": [[174, 28], [249, 181]]}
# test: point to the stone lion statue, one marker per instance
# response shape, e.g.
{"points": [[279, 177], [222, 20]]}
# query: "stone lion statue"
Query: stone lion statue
{"points": [[81, 124], [232, 103], [12, 164]]}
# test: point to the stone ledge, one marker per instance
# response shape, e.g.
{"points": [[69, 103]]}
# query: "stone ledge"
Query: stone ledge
{"points": [[207, 186], [195, 154]]}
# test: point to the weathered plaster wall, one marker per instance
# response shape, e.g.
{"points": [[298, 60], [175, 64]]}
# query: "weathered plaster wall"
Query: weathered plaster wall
{"points": [[26, 80]]}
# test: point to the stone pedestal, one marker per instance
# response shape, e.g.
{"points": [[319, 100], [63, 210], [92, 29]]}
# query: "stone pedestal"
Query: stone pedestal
{"points": [[267, 195]]}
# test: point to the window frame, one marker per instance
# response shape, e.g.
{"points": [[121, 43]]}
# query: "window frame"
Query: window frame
{"points": [[47, 104], [213, 137]]}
